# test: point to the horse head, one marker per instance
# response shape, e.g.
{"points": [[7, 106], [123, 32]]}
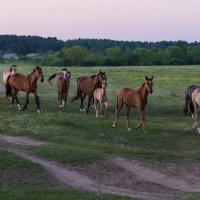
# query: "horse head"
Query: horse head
{"points": [[102, 77], [149, 84], [39, 73]]}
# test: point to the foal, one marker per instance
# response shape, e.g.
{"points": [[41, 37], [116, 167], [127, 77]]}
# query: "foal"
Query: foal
{"points": [[134, 98], [101, 98]]}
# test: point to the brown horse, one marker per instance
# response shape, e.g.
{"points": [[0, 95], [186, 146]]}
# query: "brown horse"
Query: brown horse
{"points": [[63, 83], [134, 98], [28, 84], [196, 104], [6, 74], [100, 98], [86, 86]]}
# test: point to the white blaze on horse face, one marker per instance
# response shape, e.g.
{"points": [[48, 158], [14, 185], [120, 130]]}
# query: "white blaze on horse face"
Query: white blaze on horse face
{"points": [[65, 74]]}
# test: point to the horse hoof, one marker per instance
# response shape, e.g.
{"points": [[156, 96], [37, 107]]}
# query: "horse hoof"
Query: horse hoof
{"points": [[129, 129], [38, 111], [198, 130], [113, 125]]}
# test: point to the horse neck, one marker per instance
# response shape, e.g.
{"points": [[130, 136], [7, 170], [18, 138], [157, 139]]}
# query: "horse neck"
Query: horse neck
{"points": [[143, 92], [33, 77], [95, 82], [103, 91]]}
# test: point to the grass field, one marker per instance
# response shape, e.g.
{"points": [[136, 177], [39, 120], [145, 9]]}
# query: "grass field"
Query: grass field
{"points": [[77, 138]]}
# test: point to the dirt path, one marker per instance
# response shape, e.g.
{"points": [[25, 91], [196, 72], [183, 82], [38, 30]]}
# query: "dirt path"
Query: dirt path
{"points": [[115, 176]]}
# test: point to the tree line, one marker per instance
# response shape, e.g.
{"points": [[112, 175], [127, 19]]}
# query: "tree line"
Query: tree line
{"points": [[95, 52]]}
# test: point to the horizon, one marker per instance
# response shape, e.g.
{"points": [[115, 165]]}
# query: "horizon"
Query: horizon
{"points": [[100, 39], [121, 20]]}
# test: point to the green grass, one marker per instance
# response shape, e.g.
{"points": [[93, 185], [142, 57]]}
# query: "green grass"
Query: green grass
{"points": [[54, 194], [79, 138]]}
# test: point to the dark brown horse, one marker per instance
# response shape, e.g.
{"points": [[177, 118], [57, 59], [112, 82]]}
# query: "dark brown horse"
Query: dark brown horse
{"points": [[86, 86], [28, 84], [63, 83], [134, 98]]}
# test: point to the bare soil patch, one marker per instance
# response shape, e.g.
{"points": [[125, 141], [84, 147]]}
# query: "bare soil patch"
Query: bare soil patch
{"points": [[152, 181]]}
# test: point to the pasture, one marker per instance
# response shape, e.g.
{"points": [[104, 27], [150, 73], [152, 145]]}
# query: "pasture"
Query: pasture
{"points": [[80, 140]]}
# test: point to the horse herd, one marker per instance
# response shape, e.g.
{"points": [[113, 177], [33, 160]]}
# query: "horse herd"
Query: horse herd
{"points": [[94, 86]]}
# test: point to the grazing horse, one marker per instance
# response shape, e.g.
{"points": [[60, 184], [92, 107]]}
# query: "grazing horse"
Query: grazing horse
{"points": [[196, 104], [100, 98], [63, 83], [6, 74], [28, 84], [189, 107], [134, 98], [86, 86]]}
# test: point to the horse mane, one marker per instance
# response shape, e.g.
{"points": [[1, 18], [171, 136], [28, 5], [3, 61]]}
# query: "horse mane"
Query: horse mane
{"points": [[93, 76]]}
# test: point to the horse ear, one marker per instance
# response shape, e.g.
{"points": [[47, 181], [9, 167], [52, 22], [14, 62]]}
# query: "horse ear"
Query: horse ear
{"points": [[100, 72], [146, 78], [151, 77]]}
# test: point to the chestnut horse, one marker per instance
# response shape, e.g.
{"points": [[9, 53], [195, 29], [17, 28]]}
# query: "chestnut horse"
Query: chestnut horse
{"points": [[86, 86], [134, 98], [6, 74], [100, 98], [28, 84], [63, 83]]}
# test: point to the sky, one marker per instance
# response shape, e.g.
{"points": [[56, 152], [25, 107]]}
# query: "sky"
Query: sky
{"points": [[127, 20]]}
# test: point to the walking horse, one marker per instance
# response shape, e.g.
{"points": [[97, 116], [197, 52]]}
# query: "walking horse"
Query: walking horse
{"points": [[86, 86], [63, 83], [134, 98], [26, 83]]}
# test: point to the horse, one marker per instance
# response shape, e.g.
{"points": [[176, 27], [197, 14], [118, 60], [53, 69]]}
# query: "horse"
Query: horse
{"points": [[100, 98], [63, 83], [6, 74], [26, 83], [196, 104], [86, 86], [188, 106], [134, 98]]}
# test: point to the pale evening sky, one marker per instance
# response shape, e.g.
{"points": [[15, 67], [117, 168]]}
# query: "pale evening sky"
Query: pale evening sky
{"points": [[133, 20]]}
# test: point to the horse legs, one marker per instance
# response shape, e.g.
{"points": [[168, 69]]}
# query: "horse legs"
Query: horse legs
{"points": [[95, 106], [37, 101], [142, 122], [118, 109], [82, 109], [89, 100], [27, 101], [15, 97], [127, 117], [60, 98], [106, 105]]}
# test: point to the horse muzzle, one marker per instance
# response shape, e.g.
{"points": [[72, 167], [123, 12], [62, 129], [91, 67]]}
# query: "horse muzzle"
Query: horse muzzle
{"points": [[42, 79]]}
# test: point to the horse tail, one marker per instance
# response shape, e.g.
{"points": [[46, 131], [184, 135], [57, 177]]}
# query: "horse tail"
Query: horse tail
{"points": [[51, 77], [77, 95], [8, 88]]}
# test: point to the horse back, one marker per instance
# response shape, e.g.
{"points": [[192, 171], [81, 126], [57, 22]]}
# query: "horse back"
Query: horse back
{"points": [[19, 81], [87, 85]]}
